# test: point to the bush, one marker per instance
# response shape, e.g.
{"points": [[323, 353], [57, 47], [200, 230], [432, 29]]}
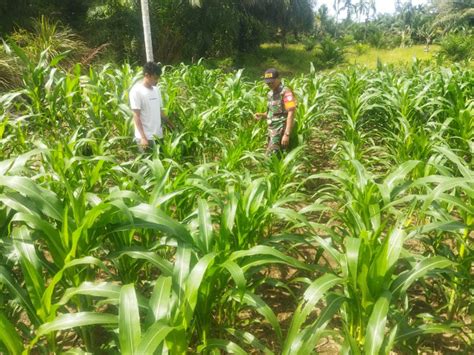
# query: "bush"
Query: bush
{"points": [[361, 48], [309, 43], [458, 47], [329, 54], [46, 37]]}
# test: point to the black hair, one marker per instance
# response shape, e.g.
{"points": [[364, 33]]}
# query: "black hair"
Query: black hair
{"points": [[152, 68]]}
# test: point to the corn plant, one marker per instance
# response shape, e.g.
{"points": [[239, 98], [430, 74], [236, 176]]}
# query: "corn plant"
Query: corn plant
{"points": [[105, 248]]}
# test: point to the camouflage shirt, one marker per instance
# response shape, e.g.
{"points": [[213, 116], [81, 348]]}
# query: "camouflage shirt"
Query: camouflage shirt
{"points": [[279, 103]]}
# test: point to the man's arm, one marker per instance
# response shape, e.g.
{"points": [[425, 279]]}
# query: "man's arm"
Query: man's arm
{"points": [[166, 120], [260, 115], [290, 105], [138, 124], [288, 127]]}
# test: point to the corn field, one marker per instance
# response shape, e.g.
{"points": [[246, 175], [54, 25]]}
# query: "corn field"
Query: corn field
{"points": [[358, 241]]}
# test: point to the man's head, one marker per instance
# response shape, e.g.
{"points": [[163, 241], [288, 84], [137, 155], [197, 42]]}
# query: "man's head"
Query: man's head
{"points": [[272, 78], [151, 72]]}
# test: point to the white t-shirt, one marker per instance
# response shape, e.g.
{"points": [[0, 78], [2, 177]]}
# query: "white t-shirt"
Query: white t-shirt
{"points": [[149, 102]]}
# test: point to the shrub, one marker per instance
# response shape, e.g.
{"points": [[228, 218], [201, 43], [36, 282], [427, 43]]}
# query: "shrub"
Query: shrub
{"points": [[330, 53], [309, 43], [361, 48], [457, 46]]}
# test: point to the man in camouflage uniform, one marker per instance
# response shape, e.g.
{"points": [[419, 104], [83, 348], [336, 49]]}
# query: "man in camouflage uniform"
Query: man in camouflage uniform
{"points": [[280, 113]]}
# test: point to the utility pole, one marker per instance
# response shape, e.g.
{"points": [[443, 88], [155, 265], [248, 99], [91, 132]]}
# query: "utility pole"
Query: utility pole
{"points": [[147, 30]]}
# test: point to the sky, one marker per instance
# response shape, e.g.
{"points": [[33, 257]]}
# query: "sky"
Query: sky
{"points": [[382, 6]]}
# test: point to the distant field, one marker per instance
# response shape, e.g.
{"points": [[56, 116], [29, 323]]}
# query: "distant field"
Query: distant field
{"points": [[391, 56], [295, 60]]}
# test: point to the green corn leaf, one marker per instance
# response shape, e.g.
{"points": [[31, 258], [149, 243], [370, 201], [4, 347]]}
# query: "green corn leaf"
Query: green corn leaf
{"points": [[73, 320], [249, 339], [312, 295], [236, 273], [45, 200], [88, 260], [404, 281], [389, 341], [262, 250], [391, 181], [160, 300], [193, 283], [9, 336], [307, 340], [181, 270], [387, 256], [456, 201], [205, 226], [423, 329], [451, 155], [446, 226], [146, 216], [51, 235], [326, 245], [261, 307], [138, 253], [31, 267], [20, 203], [15, 165], [19, 293], [129, 320], [227, 346], [375, 333], [103, 289], [228, 214], [18, 51], [352, 258], [153, 338]]}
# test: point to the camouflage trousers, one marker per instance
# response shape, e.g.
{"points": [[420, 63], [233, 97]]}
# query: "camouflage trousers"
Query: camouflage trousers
{"points": [[275, 135]]}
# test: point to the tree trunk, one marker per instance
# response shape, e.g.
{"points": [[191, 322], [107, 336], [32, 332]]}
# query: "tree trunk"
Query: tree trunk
{"points": [[147, 30]]}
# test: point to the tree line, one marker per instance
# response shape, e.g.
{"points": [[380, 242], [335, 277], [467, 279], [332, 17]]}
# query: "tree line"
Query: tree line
{"points": [[191, 29]]}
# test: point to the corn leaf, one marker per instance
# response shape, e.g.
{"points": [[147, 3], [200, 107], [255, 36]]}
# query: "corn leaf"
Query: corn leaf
{"points": [[153, 338], [129, 320], [9, 336], [205, 226], [73, 320], [312, 295], [404, 281], [45, 200], [250, 339], [160, 302], [375, 333], [138, 253], [227, 346]]}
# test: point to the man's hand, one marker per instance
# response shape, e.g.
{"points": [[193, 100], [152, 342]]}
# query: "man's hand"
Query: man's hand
{"points": [[144, 142], [260, 115], [285, 140], [170, 125]]}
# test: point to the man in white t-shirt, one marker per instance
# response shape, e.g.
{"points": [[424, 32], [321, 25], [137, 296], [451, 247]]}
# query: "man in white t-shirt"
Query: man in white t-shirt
{"points": [[147, 107]]}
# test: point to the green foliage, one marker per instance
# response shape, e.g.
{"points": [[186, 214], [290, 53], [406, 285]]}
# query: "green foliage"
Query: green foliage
{"points": [[197, 245], [329, 53], [458, 46]]}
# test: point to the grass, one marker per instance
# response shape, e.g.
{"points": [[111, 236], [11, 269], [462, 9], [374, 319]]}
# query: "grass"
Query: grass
{"points": [[295, 60], [391, 56]]}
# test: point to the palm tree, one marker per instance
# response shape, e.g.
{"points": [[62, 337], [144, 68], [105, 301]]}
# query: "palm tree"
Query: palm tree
{"points": [[453, 15]]}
